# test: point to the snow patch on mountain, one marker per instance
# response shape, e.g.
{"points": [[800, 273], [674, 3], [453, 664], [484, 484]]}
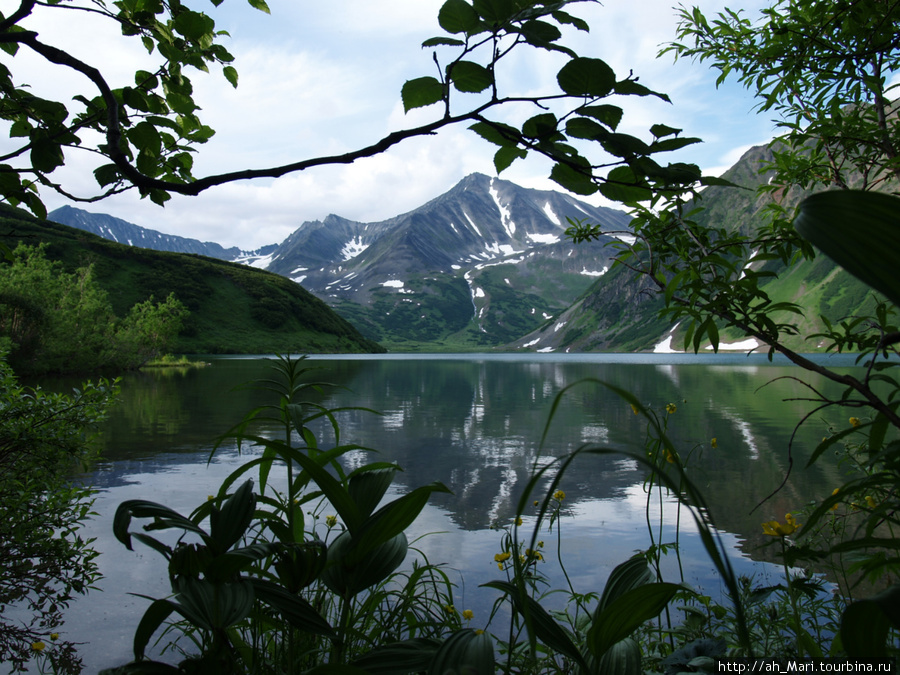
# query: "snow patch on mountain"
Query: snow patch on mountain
{"points": [[505, 216], [543, 238], [353, 248], [551, 214]]}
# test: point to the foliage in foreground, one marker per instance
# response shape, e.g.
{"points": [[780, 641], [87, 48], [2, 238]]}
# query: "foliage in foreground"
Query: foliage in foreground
{"points": [[59, 322], [44, 558]]}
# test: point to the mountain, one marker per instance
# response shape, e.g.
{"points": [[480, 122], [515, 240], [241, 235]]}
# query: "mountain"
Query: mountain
{"points": [[620, 312], [233, 308], [116, 229], [477, 266]]}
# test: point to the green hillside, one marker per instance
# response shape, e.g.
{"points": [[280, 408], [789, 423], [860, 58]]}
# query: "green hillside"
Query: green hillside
{"points": [[234, 309]]}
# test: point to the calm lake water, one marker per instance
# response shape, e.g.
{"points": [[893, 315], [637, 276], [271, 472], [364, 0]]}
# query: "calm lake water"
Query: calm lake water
{"points": [[474, 423]]}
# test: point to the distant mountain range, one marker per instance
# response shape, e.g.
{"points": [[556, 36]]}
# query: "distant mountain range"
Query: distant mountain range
{"points": [[480, 265], [487, 265]]}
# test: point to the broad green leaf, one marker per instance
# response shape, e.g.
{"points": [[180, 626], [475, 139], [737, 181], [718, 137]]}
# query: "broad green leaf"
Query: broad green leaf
{"points": [[540, 33], [495, 12], [572, 180], [545, 628], [626, 576], [194, 25], [584, 76], [260, 5], [421, 92], [293, 608], [409, 656], [566, 18], [623, 658], [584, 127], [227, 526], [632, 88], [496, 133], [621, 617], [368, 488], [859, 231], [542, 127], [156, 613], [507, 155], [464, 652], [471, 77], [231, 74], [163, 518], [395, 516], [610, 115], [865, 623], [351, 569], [458, 16]]}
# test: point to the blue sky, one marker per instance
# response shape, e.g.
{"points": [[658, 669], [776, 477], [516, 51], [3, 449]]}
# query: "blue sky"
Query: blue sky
{"points": [[324, 78]]}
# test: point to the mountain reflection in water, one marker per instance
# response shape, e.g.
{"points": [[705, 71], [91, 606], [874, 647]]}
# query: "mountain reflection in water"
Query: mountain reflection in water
{"points": [[474, 423]]}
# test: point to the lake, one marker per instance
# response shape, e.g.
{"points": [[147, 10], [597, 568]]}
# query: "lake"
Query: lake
{"points": [[474, 422]]}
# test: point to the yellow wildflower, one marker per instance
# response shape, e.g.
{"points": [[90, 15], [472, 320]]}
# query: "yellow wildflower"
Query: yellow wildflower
{"points": [[634, 409], [854, 422], [518, 520], [468, 614], [671, 457], [38, 646], [450, 609], [559, 495], [54, 636], [502, 557], [479, 631], [836, 504], [330, 521], [536, 502], [500, 566], [870, 502], [670, 408], [775, 529], [209, 498], [714, 443]]}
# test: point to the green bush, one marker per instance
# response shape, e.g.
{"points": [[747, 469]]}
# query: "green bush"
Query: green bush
{"points": [[44, 561]]}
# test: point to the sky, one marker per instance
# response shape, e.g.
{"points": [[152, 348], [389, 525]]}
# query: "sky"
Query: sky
{"points": [[325, 78]]}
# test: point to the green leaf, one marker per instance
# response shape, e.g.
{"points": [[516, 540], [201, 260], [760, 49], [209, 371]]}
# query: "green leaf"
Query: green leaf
{"points": [[227, 526], [193, 25], [293, 608], [470, 77], [495, 12], [442, 41], [859, 231], [421, 92], [507, 155], [464, 652], [156, 613], [865, 623], [540, 33], [496, 133], [633, 88], [260, 5], [610, 115], [584, 76], [368, 488], [621, 617], [545, 628], [231, 74], [409, 656], [458, 16], [572, 180]]}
